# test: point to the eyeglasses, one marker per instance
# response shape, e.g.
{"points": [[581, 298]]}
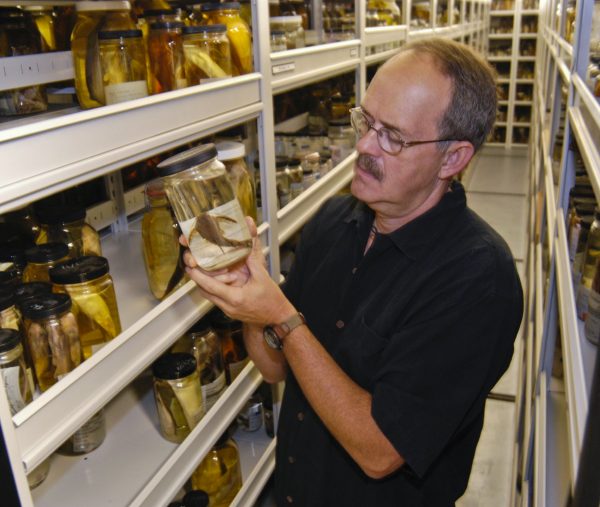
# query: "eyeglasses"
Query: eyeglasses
{"points": [[389, 140]]}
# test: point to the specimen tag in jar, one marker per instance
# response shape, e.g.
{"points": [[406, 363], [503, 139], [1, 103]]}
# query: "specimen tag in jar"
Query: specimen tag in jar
{"points": [[218, 238], [12, 384], [123, 92]]}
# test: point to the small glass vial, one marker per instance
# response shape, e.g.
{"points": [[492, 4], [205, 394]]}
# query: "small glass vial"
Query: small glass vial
{"points": [[207, 53], [220, 473], [52, 337], [123, 62], [278, 41], [177, 394], [208, 212], [234, 352], [41, 258], [165, 51], [64, 224], [88, 282], [160, 243], [232, 154]]}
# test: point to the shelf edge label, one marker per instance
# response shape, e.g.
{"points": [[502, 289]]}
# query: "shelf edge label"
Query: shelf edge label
{"points": [[283, 67]]}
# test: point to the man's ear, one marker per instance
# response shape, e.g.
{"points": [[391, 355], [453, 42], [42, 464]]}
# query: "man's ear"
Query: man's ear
{"points": [[456, 158]]}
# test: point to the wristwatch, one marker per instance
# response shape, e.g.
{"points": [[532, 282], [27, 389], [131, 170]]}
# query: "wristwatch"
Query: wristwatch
{"points": [[275, 333]]}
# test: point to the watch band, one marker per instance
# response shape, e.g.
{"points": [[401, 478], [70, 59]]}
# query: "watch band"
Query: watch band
{"points": [[289, 325]]}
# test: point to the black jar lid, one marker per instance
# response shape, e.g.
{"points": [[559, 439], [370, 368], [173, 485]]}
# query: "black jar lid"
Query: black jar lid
{"points": [[28, 290], [166, 25], [56, 214], [294, 162], [119, 34], [281, 162], [201, 327], [9, 339], [7, 298], [174, 366], [187, 159], [9, 278], [204, 29], [79, 270], [196, 498], [42, 307], [14, 254], [46, 252], [221, 321], [11, 235], [220, 6]]}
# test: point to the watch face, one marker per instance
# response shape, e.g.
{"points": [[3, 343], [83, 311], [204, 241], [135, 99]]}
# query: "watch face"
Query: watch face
{"points": [[271, 338]]}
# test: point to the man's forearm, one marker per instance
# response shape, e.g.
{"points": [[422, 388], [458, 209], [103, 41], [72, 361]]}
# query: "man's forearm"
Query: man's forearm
{"points": [[271, 363]]}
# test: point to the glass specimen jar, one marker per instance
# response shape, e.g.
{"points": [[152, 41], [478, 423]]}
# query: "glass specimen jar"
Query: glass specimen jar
{"points": [[233, 350], [92, 17], [208, 212], [220, 473], [123, 63], [232, 154], [278, 41], [292, 28], [52, 337], [9, 276], [25, 222], [165, 51], [43, 17], [88, 282], [238, 32], [160, 243], [19, 37], [207, 53], [65, 224], [15, 256], [41, 258], [177, 394], [296, 174]]}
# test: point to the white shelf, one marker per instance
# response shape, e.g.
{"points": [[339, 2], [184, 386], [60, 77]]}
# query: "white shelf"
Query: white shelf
{"points": [[557, 482], [28, 70]]}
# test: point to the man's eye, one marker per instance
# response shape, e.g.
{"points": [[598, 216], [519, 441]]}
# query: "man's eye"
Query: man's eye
{"points": [[394, 138]]}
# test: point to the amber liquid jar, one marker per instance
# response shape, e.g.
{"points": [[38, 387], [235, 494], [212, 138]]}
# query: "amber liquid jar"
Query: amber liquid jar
{"points": [[41, 258], [207, 53], [233, 350], [165, 51], [88, 282]]}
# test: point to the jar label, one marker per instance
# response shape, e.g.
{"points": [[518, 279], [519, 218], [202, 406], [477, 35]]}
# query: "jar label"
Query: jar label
{"points": [[219, 237], [236, 368], [122, 92], [592, 323], [212, 390], [11, 376]]}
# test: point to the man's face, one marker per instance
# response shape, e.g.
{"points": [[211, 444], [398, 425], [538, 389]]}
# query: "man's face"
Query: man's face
{"points": [[410, 96]]}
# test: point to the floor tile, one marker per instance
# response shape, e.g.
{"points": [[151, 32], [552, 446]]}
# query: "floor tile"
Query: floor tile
{"points": [[490, 481], [507, 214], [499, 175]]}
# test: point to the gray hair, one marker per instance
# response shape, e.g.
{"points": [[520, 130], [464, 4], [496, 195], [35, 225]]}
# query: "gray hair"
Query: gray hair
{"points": [[472, 110]]}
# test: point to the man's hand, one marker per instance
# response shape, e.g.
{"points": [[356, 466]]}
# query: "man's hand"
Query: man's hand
{"points": [[246, 291]]}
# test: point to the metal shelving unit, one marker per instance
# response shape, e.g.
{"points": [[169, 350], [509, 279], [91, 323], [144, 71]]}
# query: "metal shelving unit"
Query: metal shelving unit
{"points": [[50, 152]]}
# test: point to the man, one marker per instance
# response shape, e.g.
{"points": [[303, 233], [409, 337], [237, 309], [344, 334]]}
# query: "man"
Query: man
{"points": [[410, 301]]}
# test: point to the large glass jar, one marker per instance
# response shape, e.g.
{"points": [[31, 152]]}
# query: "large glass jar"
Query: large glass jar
{"points": [[19, 37], [207, 53], [220, 473], [160, 243], [52, 337], [165, 50], [233, 350], [44, 17], [67, 225], [177, 394], [292, 27], [228, 14], [25, 222], [123, 62], [41, 258], [232, 154], [88, 282], [208, 212], [92, 17]]}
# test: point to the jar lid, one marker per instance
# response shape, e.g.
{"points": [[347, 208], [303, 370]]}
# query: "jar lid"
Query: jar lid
{"points": [[294, 162], [9, 339], [28, 290], [106, 5], [45, 306], [158, 12], [339, 122], [56, 215], [78, 270], [286, 20], [37, 8], [221, 321], [281, 162], [277, 33], [229, 150], [46, 252], [196, 498], [14, 254], [155, 188], [221, 6], [204, 29], [187, 159], [166, 25], [174, 366], [11, 235], [9, 277], [201, 327], [7, 299], [119, 34]]}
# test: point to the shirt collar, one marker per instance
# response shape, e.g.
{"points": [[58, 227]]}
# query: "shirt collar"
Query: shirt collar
{"points": [[417, 236]]}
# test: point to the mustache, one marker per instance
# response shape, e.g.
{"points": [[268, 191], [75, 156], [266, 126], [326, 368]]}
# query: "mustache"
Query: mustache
{"points": [[369, 165]]}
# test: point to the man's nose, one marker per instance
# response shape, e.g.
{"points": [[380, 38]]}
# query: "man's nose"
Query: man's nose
{"points": [[369, 143]]}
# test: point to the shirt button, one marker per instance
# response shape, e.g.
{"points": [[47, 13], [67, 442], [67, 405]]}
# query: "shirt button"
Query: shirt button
{"points": [[340, 324], [289, 499], [300, 416], [354, 270], [291, 459]]}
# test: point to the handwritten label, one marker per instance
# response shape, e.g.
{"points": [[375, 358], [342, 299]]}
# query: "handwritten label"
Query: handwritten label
{"points": [[284, 67]]}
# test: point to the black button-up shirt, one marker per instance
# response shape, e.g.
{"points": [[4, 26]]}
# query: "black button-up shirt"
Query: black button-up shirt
{"points": [[425, 321]]}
